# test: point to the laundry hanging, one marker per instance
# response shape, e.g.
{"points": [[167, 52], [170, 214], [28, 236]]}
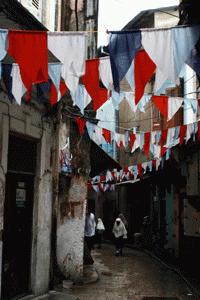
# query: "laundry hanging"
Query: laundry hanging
{"points": [[123, 47], [29, 50], [70, 49], [98, 94]]}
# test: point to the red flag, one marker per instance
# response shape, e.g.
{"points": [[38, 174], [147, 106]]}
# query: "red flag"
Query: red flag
{"points": [[182, 133], [107, 135], [139, 166], [143, 71], [29, 50], [54, 93], [147, 137], [163, 137], [91, 81], [198, 132], [161, 103], [154, 163], [132, 138], [81, 124], [163, 151]]}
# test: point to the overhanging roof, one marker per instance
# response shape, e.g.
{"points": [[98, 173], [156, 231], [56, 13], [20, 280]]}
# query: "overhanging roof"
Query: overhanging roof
{"points": [[19, 16], [144, 14]]}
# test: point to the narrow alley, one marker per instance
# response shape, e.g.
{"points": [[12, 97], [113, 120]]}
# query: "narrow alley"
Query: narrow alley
{"points": [[133, 276]]}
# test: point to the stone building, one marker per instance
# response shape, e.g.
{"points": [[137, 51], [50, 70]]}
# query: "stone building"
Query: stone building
{"points": [[26, 193], [42, 207]]}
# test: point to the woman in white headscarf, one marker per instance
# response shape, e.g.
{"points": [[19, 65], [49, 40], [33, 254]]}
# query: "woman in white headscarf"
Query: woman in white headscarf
{"points": [[120, 233], [99, 232]]}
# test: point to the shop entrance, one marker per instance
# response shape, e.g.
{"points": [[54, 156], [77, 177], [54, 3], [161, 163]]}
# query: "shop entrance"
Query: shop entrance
{"points": [[18, 211]]}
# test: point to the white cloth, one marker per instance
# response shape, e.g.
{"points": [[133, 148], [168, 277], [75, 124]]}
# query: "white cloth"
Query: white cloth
{"points": [[100, 225], [170, 137], [90, 225], [130, 76], [18, 88], [105, 72], [81, 98], [119, 230], [117, 99], [120, 139], [54, 70], [158, 161], [158, 45], [106, 116], [153, 137], [189, 131], [174, 103], [144, 166], [136, 143], [95, 188], [130, 98], [109, 176], [70, 49]]}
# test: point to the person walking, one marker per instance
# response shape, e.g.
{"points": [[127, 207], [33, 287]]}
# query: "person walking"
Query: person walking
{"points": [[90, 226], [120, 233], [124, 220], [99, 232]]}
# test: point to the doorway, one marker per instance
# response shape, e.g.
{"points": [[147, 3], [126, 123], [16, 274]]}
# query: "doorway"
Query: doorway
{"points": [[18, 212]]}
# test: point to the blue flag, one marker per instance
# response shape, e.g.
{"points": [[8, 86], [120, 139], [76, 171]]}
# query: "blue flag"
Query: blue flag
{"points": [[123, 47]]}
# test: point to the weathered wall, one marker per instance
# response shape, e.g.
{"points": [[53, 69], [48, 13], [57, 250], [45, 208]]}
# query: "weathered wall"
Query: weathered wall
{"points": [[42, 217], [72, 204], [70, 231], [27, 121], [85, 18]]}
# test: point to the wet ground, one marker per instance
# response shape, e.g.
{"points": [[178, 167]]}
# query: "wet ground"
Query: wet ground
{"points": [[134, 276]]}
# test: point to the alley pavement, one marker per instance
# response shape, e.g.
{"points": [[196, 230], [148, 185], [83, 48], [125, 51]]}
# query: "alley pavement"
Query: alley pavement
{"points": [[134, 276]]}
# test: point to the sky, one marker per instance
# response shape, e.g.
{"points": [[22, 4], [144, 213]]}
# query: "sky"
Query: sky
{"points": [[115, 14]]}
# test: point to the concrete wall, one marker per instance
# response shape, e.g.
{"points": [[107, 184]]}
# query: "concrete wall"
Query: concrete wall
{"points": [[26, 120]]}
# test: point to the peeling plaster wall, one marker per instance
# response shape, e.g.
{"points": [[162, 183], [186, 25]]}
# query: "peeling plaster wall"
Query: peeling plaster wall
{"points": [[70, 232], [72, 204]]}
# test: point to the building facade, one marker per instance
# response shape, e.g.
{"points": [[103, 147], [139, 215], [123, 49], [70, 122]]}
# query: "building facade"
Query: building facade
{"points": [[33, 186]]}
